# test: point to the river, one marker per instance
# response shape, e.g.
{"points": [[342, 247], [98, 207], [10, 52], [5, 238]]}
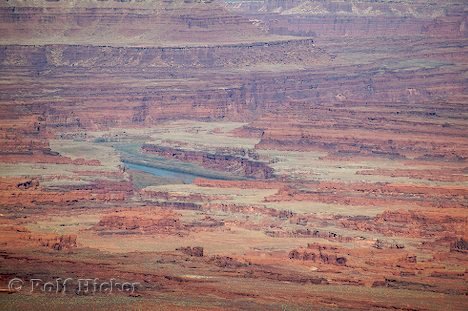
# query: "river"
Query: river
{"points": [[161, 172]]}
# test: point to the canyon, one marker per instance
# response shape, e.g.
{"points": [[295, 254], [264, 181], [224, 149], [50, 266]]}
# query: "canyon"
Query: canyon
{"points": [[235, 154]]}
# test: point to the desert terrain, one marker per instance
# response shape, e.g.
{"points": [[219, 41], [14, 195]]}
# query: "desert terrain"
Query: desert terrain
{"points": [[234, 155]]}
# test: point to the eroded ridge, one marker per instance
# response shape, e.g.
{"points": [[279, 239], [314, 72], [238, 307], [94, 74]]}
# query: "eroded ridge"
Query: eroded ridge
{"points": [[239, 155]]}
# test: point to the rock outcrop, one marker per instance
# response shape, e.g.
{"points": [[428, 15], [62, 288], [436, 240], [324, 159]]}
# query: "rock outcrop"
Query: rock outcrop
{"points": [[223, 162], [195, 251]]}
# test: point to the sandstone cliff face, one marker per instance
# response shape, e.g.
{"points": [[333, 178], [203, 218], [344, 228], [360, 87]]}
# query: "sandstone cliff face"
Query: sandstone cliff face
{"points": [[354, 113], [55, 242], [452, 26], [176, 81], [195, 251], [327, 19], [120, 23], [340, 98], [315, 252], [412, 223], [300, 51], [173, 84], [224, 162], [133, 223]]}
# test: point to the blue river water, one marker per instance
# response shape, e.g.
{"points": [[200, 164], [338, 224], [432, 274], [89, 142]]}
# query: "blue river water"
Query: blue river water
{"points": [[161, 172]]}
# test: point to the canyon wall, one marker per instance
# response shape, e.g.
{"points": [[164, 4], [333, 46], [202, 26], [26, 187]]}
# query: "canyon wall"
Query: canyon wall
{"points": [[338, 129]]}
